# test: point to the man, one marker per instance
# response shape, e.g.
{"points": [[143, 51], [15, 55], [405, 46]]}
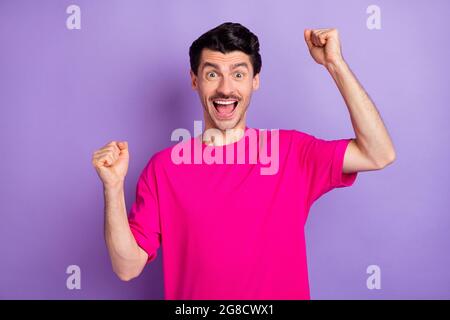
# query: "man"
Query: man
{"points": [[227, 231]]}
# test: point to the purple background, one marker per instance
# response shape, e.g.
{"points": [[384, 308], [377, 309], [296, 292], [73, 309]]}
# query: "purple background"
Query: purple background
{"points": [[125, 75]]}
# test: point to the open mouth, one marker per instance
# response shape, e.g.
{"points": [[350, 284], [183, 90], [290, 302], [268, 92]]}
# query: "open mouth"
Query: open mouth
{"points": [[225, 108]]}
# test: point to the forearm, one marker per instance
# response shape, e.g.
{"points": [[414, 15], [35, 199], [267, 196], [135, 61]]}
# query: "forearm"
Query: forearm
{"points": [[126, 258], [372, 136]]}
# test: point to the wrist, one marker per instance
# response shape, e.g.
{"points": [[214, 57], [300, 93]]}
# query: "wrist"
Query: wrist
{"points": [[336, 66], [113, 188]]}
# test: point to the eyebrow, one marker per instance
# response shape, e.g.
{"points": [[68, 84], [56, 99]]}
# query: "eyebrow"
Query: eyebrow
{"points": [[234, 66]]}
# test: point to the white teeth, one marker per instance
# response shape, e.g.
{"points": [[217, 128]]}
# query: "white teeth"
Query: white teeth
{"points": [[224, 102]]}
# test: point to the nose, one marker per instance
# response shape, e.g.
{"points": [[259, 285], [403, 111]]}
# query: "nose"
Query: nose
{"points": [[225, 87]]}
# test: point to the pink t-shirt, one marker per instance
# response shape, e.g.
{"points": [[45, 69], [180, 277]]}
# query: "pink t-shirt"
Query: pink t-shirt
{"points": [[226, 230]]}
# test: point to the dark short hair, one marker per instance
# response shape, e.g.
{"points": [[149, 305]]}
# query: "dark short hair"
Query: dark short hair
{"points": [[225, 38]]}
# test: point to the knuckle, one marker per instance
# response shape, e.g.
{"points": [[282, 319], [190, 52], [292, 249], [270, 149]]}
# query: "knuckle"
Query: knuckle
{"points": [[111, 143], [110, 150]]}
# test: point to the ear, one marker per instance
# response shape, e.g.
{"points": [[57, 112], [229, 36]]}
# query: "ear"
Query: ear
{"points": [[194, 83], [256, 82]]}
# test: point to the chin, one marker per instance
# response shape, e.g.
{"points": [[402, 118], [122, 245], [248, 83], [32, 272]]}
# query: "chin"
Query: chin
{"points": [[226, 125]]}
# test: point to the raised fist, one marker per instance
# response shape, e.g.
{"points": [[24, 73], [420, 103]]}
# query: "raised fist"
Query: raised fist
{"points": [[324, 45], [111, 163]]}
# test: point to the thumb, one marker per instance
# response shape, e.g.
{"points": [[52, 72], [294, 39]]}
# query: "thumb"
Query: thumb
{"points": [[307, 34], [123, 146]]}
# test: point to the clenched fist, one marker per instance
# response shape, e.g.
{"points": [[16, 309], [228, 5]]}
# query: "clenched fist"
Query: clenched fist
{"points": [[111, 163], [324, 45]]}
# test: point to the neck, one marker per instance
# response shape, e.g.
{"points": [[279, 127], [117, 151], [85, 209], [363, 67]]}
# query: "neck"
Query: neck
{"points": [[225, 136]]}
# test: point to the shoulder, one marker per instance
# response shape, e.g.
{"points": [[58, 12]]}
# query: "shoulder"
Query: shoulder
{"points": [[296, 136], [285, 133], [163, 158]]}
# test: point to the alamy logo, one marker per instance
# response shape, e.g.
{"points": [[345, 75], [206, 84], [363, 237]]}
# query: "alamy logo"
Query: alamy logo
{"points": [[374, 20], [74, 279], [74, 20], [258, 147], [374, 280]]}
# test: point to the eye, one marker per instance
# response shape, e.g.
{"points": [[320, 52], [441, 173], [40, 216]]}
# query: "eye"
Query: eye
{"points": [[211, 74], [239, 75]]}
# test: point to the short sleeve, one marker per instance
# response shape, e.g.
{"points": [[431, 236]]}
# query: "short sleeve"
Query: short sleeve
{"points": [[322, 162], [144, 217]]}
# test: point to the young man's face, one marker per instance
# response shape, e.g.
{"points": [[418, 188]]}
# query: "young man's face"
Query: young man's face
{"points": [[225, 83]]}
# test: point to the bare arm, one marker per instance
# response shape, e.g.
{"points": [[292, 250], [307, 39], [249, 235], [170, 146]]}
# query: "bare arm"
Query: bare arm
{"points": [[127, 258], [372, 149], [111, 164]]}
